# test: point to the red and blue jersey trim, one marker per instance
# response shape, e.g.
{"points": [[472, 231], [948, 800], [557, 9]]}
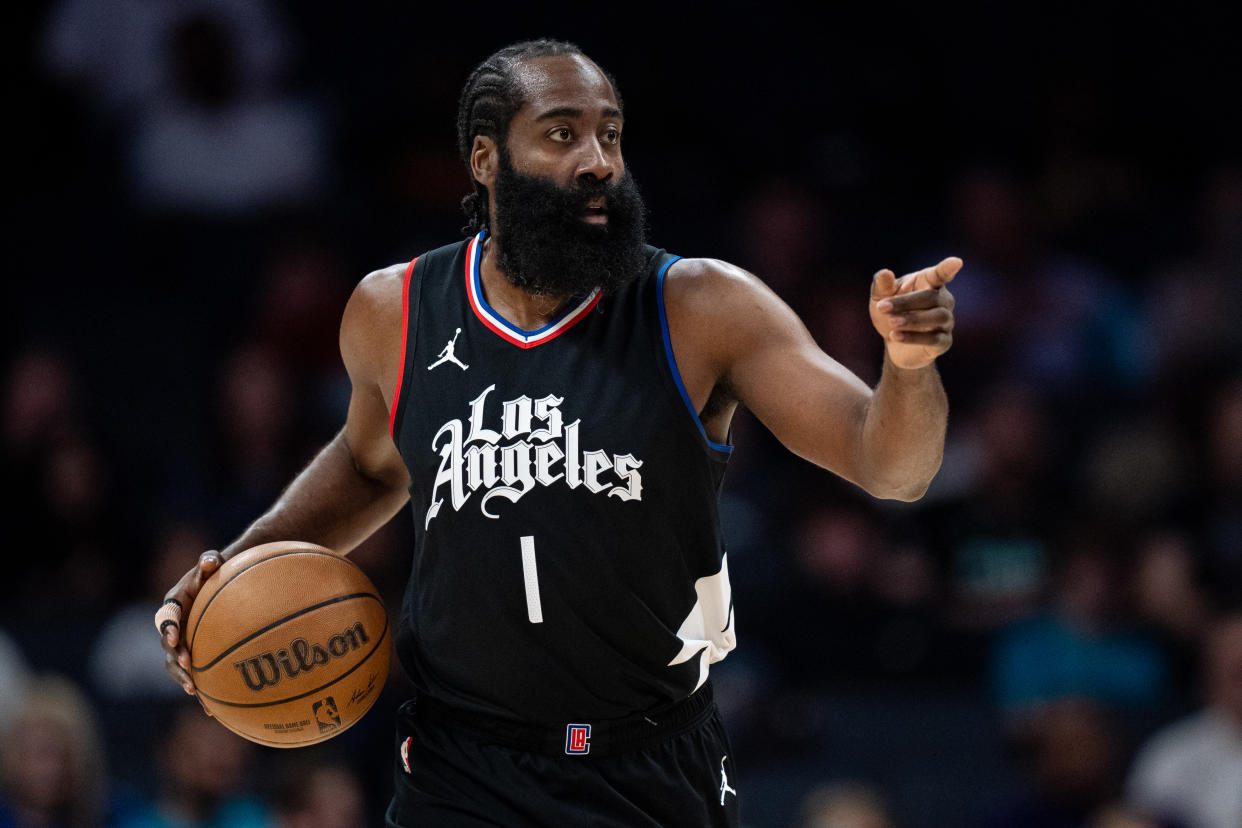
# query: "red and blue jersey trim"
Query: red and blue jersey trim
{"points": [[672, 360], [502, 327], [405, 329]]}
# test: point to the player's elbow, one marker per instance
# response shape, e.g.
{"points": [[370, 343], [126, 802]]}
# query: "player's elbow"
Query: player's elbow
{"points": [[906, 494], [904, 487]]}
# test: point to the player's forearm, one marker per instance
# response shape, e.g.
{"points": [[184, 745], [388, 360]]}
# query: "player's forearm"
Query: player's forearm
{"points": [[903, 432], [331, 502]]}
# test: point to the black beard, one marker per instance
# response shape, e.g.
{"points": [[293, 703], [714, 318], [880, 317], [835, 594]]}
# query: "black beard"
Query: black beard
{"points": [[545, 246]]}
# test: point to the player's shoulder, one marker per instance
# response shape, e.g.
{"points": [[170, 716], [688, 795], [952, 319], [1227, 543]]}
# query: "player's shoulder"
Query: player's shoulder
{"points": [[372, 318], [708, 286], [705, 271], [382, 283], [377, 295]]}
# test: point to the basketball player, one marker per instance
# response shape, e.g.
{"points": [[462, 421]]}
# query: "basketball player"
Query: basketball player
{"points": [[553, 398]]}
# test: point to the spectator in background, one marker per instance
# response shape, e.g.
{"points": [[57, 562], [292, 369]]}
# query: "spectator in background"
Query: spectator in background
{"points": [[1221, 502], [257, 422], [1087, 334], [202, 84], [303, 289], [123, 666], [1083, 646], [1136, 469], [845, 805], [1118, 816], [202, 771], [992, 533], [217, 146], [1071, 757], [318, 793], [51, 760], [62, 504], [866, 600], [115, 50], [41, 394], [1192, 770], [1190, 302], [14, 675], [1170, 602]]}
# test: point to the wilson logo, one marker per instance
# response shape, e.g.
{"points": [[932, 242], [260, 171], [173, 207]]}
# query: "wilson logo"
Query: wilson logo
{"points": [[267, 669]]}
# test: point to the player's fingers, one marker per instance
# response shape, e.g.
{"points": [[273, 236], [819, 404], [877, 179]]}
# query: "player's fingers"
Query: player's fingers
{"points": [[178, 671], [917, 301], [935, 319], [168, 621], [209, 562], [883, 285], [938, 340]]}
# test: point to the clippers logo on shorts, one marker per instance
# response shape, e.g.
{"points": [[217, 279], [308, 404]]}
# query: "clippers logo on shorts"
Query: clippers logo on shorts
{"points": [[578, 739], [534, 447]]}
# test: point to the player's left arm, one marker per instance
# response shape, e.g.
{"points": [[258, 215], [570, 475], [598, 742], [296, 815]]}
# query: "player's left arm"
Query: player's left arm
{"points": [[731, 332]]}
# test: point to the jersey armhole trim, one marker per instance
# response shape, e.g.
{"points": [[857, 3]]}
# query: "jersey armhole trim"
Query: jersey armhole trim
{"points": [[672, 360], [405, 330]]}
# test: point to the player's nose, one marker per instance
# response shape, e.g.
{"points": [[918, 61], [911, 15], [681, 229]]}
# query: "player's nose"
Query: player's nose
{"points": [[594, 160]]}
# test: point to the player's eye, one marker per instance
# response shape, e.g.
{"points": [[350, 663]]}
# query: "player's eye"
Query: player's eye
{"points": [[561, 134], [612, 135]]}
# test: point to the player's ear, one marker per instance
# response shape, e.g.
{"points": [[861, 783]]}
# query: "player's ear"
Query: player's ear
{"points": [[484, 159]]}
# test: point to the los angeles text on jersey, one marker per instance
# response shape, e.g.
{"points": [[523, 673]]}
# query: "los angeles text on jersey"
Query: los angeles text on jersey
{"points": [[539, 449]]}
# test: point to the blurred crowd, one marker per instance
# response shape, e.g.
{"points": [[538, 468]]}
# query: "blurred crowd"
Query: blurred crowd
{"points": [[1051, 637]]}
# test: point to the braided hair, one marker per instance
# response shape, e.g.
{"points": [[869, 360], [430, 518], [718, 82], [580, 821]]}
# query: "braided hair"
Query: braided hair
{"points": [[489, 100]]}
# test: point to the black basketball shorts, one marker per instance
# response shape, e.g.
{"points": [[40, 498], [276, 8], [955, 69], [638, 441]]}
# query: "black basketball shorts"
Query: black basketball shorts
{"points": [[668, 768]]}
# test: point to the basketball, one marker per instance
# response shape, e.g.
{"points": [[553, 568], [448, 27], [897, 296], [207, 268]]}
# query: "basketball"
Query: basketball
{"points": [[288, 644]]}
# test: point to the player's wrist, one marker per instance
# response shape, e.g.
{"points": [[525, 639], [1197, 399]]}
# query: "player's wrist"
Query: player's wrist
{"points": [[908, 366]]}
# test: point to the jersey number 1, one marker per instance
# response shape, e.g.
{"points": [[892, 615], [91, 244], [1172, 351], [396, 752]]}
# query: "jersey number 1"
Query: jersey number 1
{"points": [[534, 610]]}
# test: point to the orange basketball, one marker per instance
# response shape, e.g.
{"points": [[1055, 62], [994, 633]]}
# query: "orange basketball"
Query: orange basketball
{"points": [[288, 644]]}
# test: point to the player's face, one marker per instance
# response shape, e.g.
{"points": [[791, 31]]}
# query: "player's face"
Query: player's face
{"points": [[569, 129], [566, 214]]}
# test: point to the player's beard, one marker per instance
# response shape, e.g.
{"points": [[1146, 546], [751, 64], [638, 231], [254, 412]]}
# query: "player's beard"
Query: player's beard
{"points": [[545, 246]]}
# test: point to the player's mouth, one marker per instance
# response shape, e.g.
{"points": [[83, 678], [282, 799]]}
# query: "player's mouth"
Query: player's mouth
{"points": [[596, 211]]}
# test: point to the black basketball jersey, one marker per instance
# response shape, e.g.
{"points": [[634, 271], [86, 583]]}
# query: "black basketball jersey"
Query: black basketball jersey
{"points": [[568, 559]]}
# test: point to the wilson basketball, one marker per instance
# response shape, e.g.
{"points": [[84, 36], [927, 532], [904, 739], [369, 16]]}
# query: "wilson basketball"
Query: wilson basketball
{"points": [[288, 643]]}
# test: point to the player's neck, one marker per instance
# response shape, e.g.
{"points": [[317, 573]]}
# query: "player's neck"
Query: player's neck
{"points": [[527, 310]]}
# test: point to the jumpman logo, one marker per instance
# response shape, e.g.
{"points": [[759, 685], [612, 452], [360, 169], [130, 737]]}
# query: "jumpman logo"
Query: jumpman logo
{"points": [[724, 781], [447, 354]]}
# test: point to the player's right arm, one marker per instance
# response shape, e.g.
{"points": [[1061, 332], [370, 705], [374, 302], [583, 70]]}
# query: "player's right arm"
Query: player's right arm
{"points": [[355, 484]]}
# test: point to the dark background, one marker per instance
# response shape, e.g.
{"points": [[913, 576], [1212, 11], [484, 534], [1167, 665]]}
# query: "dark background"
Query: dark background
{"points": [[170, 350]]}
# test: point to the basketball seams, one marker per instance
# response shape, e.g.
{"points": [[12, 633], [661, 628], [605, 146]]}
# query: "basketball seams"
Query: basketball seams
{"points": [[338, 599], [383, 639], [238, 573]]}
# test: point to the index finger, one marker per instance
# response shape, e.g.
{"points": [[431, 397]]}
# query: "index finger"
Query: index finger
{"points": [[918, 300]]}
